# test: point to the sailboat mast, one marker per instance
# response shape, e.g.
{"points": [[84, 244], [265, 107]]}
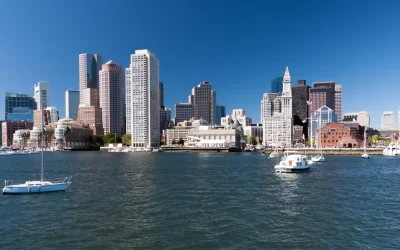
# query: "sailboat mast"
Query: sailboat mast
{"points": [[41, 172]]}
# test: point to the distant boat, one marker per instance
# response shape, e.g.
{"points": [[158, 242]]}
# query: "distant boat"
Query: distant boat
{"points": [[41, 186], [365, 155]]}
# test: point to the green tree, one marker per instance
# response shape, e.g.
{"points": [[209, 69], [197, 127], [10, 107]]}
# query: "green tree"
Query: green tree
{"points": [[97, 140], [253, 140], [112, 139], [173, 142], [374, 139], [244, 138], [181, 141], [107, 137], [127, 139]]}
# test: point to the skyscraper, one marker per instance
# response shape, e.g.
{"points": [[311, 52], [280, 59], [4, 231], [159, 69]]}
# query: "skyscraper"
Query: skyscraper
{"points": [[299, 105], [387, 120], [14, 100], [42, 95], [338, 101], [112, 101], [92, 116], [161, 95], [276, 85], [71, 103], [183, 112], [322, 94], [89, 67], [143, 99], [204, 102], [220, 112]]}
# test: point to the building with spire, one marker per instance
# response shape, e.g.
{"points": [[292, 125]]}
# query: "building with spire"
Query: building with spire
{"points": [[278, 126]]}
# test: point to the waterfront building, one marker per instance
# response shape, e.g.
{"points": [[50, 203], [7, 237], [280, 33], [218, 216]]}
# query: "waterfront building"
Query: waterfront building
{"points": [[220, 112], [183, 112], [270, 103], [338, 101], [71, 103], [143, 99], [92, 117], [42, 95], [14, 100], [298, 133], [320, 117], [72, 135], [300, 95], [255, 130], [1, 131], [21, 114], [276, 85], [21, 137], [278, 127], [338, 136], [37, 117], [112, 101], [35, 138], [89, 67], [387, 120], [361, 117], [53, 114], [174, 135], [9, 128], [210, 136]]}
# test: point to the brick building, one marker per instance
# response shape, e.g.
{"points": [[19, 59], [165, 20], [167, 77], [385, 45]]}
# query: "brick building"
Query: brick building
{"points": [[9, 128], [336, 135]]}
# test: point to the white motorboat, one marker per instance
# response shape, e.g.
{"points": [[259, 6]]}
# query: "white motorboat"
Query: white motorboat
{"points": [[147, 150], [393, 149], [318, 158], [293, 162], [41, 186]]}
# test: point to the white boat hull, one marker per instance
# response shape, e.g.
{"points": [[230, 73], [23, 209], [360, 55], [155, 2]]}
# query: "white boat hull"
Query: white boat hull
{"points": [[365, 156], [319, 158], [31, 187]]}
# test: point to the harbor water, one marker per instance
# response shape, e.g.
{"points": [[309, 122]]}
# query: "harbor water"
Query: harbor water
{"points": [[201, 201]]}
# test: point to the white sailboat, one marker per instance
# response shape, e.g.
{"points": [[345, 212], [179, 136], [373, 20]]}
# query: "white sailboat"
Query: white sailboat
{"points": [[41, 186], [320, 157], [365, 155]]}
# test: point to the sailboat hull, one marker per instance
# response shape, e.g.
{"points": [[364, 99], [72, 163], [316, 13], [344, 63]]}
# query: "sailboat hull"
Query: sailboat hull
{"points": [[27, 189]]}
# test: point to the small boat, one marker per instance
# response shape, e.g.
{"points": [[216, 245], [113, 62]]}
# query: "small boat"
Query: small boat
{"points": [[274, 154], [365, 155], [147, 150], [293, 162], [318, 158], [41, 186]]}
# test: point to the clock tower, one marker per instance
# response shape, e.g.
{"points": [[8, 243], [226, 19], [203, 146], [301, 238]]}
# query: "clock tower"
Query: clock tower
{"points": [[287, 95]]}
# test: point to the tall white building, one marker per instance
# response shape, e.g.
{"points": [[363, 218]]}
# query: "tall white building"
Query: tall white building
{"points": [[363, 118], [142, 99], [42, 95], [277, 129], [338, 101], [89, 67], [112, 101], [54, 117], [387, 120], [71, 103]]}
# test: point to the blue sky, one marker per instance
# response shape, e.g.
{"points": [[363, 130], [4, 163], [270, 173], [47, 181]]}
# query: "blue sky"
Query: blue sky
{"points": [[238, 47]]}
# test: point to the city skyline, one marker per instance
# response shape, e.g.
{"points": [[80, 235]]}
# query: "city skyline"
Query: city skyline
{"points": [[307, 57]]}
